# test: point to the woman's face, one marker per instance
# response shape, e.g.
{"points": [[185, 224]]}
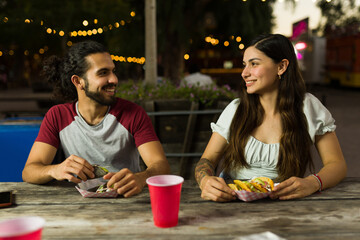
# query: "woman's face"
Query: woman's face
{"points": [[260, 72]]}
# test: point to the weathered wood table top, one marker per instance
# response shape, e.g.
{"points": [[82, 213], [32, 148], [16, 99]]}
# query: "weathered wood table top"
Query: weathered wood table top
{"points": [[332, 214]]}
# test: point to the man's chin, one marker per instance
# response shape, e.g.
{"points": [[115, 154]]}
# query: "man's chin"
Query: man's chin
{"points": [[103, 101], [108, 102]]}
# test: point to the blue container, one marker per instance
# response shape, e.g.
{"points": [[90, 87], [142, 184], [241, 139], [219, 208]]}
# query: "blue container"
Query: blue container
{"points": [[16, 139]]}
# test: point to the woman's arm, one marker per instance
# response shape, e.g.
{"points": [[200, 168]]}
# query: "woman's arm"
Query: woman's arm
{"points": [[212, 187], [333, 171]]}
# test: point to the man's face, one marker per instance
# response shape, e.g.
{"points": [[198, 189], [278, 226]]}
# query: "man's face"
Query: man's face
{"points": [[100, 79]]}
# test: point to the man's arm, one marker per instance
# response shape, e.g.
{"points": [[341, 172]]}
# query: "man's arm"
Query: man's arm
{"points": [[154, 157], [38, 168], [128, 183]]}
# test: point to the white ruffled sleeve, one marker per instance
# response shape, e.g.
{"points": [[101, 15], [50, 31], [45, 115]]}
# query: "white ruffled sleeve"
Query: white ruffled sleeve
{"points": [[318, 117], [222, 126]]}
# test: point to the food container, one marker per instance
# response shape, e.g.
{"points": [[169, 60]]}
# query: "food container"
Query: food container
{"points": [[88, 189]]}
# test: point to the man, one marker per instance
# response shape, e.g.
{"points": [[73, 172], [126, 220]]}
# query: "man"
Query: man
{"points": [[95, 127]]}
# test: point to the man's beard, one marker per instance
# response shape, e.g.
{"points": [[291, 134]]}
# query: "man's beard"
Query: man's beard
{"points": [[98, 97]]}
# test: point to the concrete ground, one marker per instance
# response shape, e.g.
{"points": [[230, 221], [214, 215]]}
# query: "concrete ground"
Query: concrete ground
{"points": [[342, 103]]}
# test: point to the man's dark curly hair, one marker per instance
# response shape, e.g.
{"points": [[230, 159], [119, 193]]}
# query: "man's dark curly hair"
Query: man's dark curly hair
{"points": [[58, 71]]}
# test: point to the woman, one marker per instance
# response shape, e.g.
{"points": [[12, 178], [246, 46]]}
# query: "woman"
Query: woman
{"points": [[270, 129]]}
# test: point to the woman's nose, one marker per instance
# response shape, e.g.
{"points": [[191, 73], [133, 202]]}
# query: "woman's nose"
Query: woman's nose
{"points": [[245, 72]]}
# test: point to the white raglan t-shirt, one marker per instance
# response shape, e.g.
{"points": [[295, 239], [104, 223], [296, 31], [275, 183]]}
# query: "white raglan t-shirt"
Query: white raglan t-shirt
{"points": [[112, 143]]}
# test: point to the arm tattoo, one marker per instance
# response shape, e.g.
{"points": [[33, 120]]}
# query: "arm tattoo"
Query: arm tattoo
{"points": [[204, 168]]}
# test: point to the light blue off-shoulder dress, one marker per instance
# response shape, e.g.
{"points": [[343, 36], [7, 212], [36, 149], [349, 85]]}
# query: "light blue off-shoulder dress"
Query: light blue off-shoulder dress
{"points": [[263, 157]]}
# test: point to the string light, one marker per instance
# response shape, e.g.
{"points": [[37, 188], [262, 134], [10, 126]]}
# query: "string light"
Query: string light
{"points": [[116, 58], [84, 33], [214, 41]]}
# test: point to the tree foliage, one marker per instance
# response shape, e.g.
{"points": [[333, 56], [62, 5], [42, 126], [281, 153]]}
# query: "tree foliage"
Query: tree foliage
{"points": [[182, 26], [338, 15]]}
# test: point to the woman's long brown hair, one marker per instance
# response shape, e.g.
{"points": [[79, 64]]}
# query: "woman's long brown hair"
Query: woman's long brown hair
{"points": [[295, 142]]}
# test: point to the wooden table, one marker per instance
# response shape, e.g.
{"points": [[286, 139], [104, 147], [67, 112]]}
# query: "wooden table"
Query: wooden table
{"points": [[332, 214]]}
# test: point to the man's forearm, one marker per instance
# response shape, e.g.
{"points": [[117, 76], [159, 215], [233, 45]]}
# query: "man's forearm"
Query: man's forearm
{"points": [[204, 168], [37, 173], [158, 168]]}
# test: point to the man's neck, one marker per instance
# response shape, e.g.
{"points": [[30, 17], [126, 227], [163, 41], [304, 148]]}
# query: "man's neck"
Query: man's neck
{"points": [[93, 113]]}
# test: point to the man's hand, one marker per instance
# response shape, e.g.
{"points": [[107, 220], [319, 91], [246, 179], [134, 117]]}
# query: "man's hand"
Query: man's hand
{"points": [[295, 187], [73, 165], [216, 189], [125, 182]]}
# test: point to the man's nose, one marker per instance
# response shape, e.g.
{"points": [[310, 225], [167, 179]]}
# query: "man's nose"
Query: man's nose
{"points": [[113, 79]]}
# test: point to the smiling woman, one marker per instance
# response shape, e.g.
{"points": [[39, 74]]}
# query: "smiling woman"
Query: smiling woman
{"points": [[269, 130]]}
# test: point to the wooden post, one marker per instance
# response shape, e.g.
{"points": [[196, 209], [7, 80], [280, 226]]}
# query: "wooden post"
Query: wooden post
{"points": [[185, 163], [150, 42]]}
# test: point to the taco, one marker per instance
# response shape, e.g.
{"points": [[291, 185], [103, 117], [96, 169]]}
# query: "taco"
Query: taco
{"points": [[241, 185], [263, 184], [257, 184]]}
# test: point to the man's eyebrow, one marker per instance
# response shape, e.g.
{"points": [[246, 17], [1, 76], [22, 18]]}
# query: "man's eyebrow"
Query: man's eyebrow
{"points": [[102, 69]]}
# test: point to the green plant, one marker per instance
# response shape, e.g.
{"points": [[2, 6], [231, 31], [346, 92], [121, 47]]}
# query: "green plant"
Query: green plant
{"points": [[138, 91]]}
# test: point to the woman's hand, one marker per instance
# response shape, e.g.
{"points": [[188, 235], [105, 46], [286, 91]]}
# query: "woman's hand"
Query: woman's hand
{"points": [[125, 182], [295, 187], [216, 189]]}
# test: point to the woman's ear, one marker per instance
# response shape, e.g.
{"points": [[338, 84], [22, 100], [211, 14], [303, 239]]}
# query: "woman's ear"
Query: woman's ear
{"points": [[283, 66], [77, 81]]}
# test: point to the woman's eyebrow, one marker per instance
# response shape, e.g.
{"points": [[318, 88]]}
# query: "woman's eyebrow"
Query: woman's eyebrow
{"points": [[252, 59]]}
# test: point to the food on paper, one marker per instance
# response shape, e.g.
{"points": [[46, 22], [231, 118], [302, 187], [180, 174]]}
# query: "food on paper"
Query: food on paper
{"points": [[90, 188], [264, 184], [103, 188], [257, 184], [233, 186], [254, 189], [99, 171]]}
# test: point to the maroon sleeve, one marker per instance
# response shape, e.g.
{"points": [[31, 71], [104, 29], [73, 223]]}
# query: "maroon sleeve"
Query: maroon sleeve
{"points": [[56, 119], [143, 130], [135, 120]]}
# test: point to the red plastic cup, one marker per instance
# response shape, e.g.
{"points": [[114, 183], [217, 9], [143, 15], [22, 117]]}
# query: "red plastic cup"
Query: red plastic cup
{"points": [[165, 192], [23, 228]]}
